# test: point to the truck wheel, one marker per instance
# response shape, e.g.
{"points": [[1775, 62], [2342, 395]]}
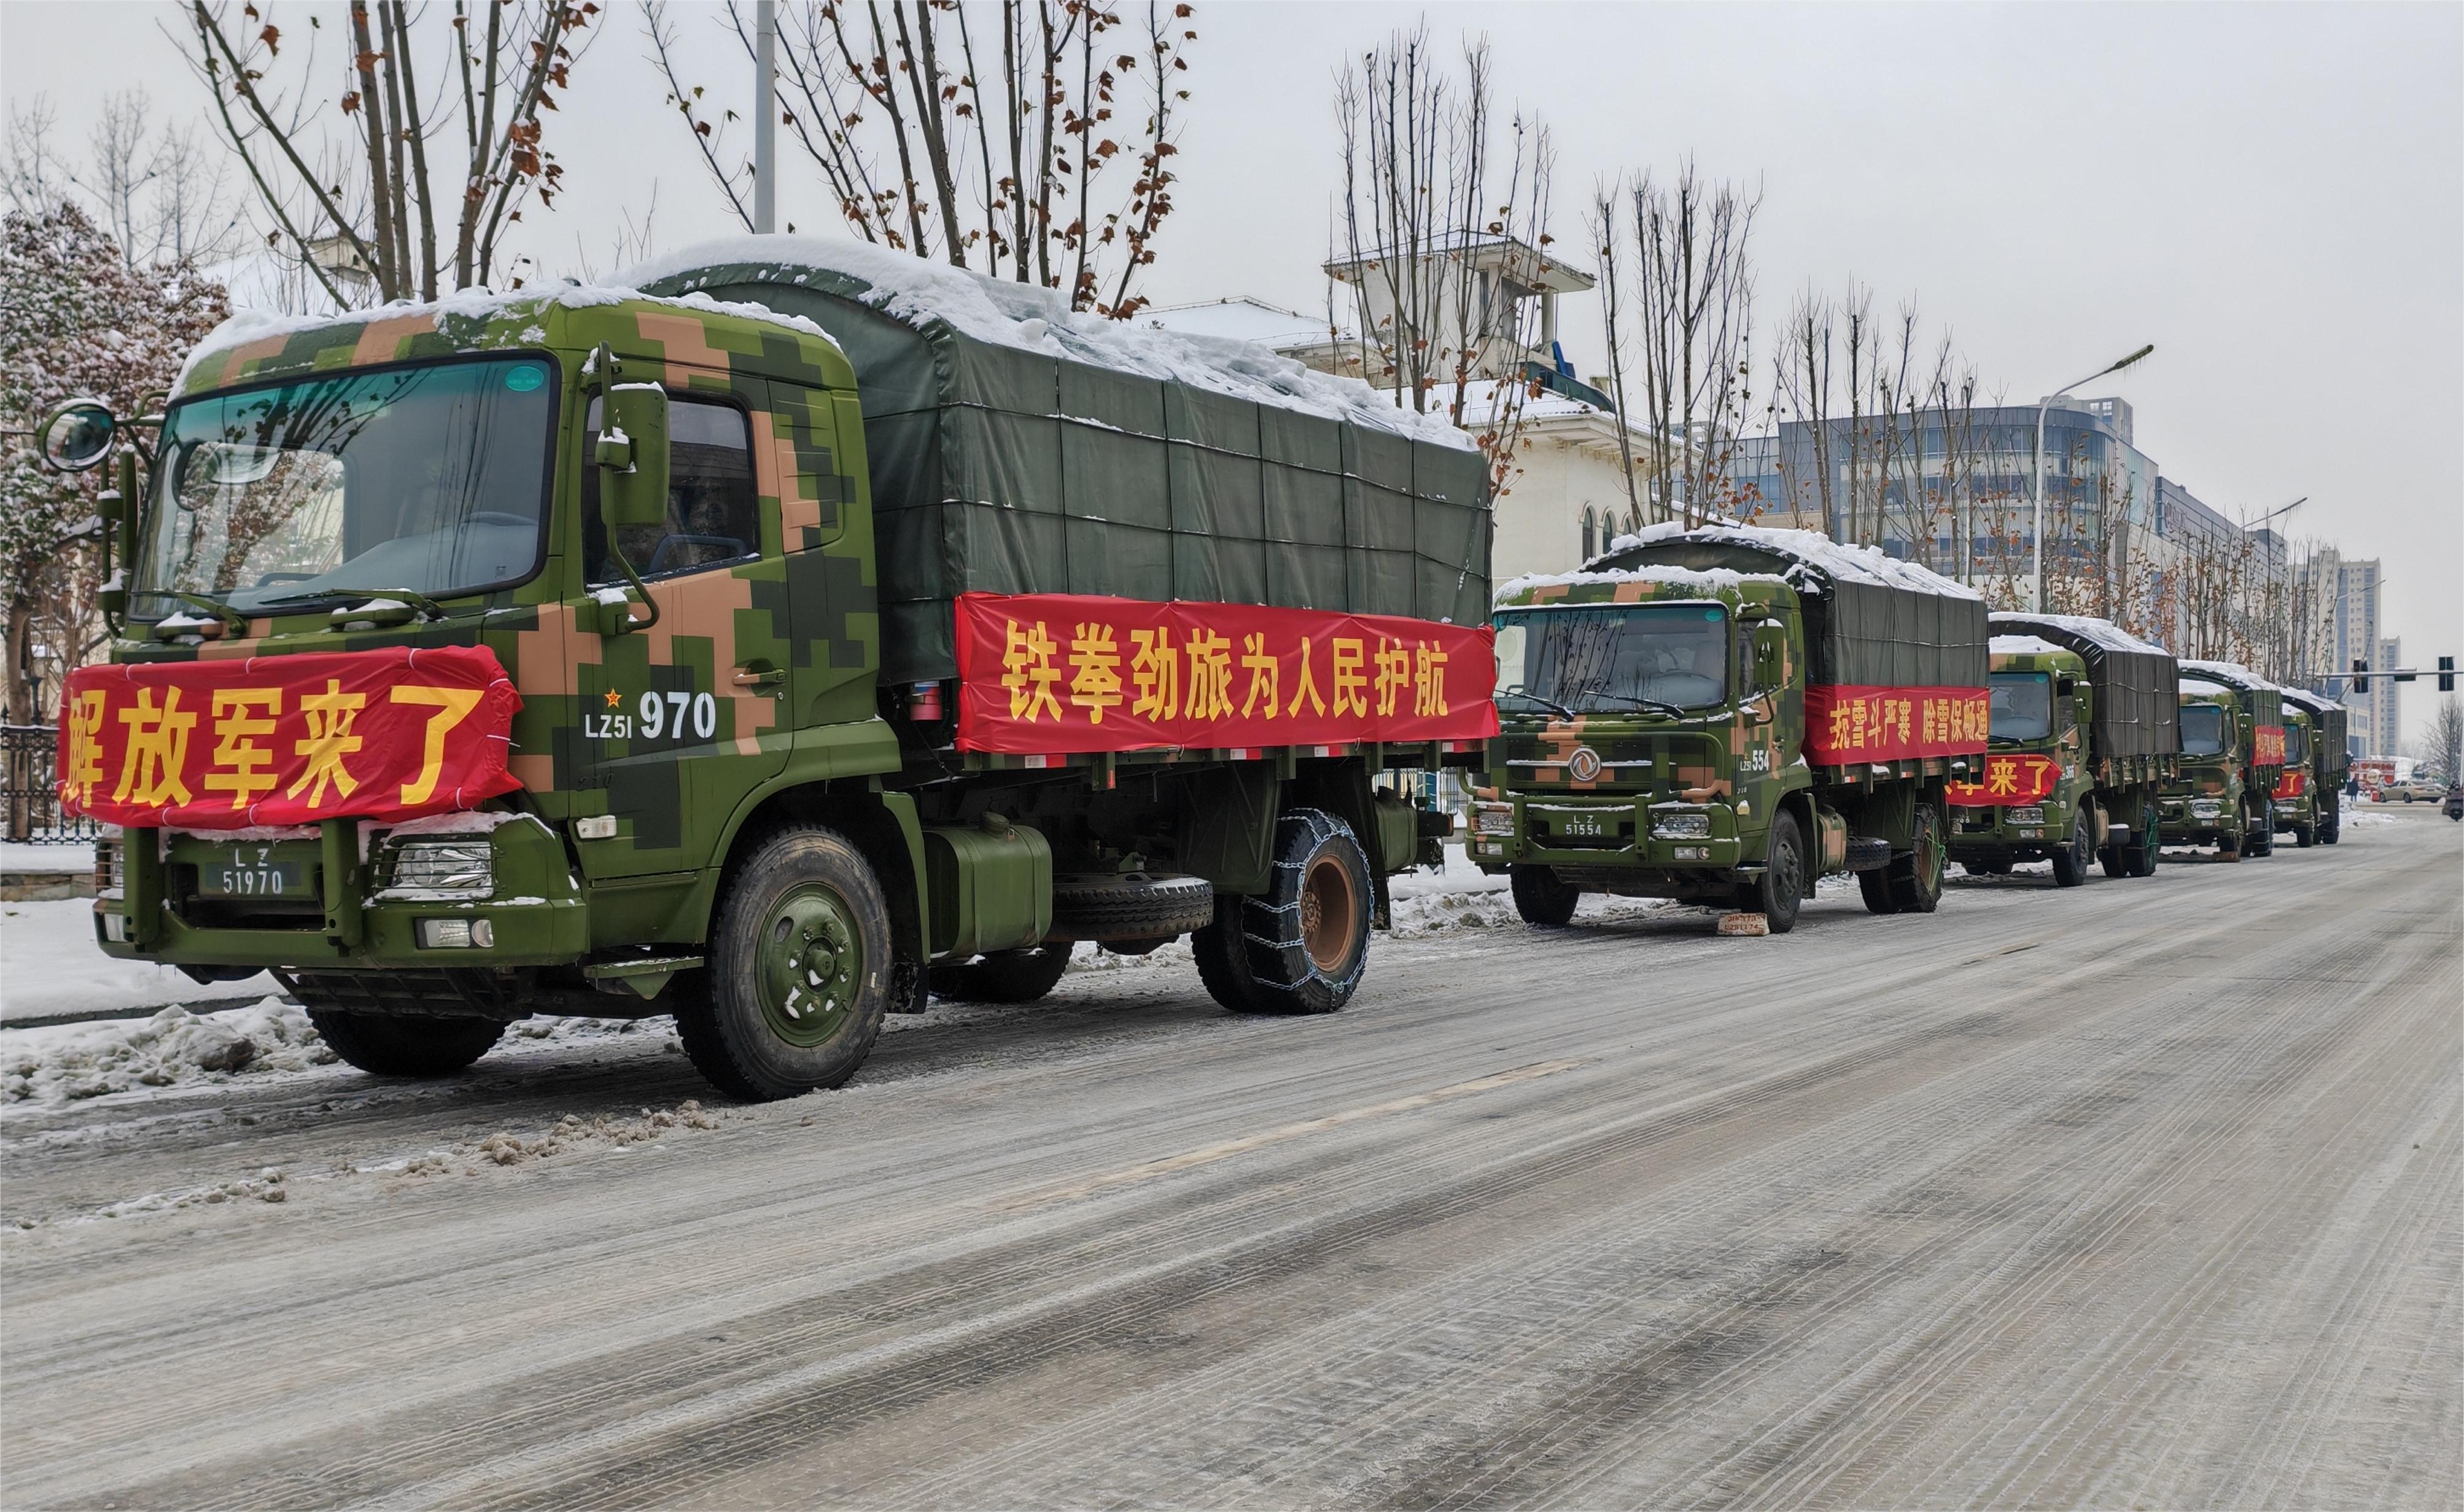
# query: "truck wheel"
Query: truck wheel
{"points": [[2305, 836], [2229, 848], [1302, 946], [1776, 894], [2331, 830], [1007, 976], [799, 974], [2140, 859], [1540, 898], [1916, 877], [2259, 838], [1131, 905], [2111, 859], [1876, 889], [2070, 863], [407, 1044]]}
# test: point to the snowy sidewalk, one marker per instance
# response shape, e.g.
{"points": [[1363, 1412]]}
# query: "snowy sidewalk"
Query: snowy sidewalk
{"points": [[51, 968]]}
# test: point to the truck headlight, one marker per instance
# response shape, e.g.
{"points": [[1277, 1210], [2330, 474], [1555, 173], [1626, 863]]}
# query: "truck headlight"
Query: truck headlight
{"points": [[2205, 809], [1680, 826], [1494, 818], [2033, 814], [455, 866]]}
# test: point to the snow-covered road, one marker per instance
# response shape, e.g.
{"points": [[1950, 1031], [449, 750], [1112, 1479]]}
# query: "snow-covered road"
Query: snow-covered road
{"points": [[2143, 1193]]}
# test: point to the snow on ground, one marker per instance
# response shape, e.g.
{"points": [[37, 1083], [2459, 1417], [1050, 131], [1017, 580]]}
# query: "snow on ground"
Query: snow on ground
{"points": [[48, 963], [15, 856], [65, 1062]]}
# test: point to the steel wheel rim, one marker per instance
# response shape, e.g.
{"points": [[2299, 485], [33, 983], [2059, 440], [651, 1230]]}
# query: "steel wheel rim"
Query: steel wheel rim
{"points": [[1788, 880], [1328, 906], [811, 965]]}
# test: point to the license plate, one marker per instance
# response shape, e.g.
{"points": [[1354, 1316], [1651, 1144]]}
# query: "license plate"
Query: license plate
{"points": [[246, 874]]}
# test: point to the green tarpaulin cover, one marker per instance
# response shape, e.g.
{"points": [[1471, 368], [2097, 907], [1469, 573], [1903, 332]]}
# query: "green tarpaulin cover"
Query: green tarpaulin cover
{"points": [[1016, 448]]}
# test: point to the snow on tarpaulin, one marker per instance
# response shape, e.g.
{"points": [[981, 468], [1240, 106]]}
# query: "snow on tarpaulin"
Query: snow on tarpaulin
{"points": [[474, 306], [2231, 674], [2104, 633], [1871, 621], [1016, 446]]}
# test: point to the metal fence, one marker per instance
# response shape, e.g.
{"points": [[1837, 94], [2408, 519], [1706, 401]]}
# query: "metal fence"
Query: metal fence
{"points": [[30, 798]]}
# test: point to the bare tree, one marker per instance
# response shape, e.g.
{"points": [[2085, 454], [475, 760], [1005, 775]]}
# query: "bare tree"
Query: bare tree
{"points": [[1692, 296], [1442, 236], [162, 198], [351, 196], [2445, 739], [1003, 154]]}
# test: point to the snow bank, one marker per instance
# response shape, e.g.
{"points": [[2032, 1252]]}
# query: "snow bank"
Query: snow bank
{"points": [[1029, 317], [475, 305], [87, 1061], [1849, 564]]}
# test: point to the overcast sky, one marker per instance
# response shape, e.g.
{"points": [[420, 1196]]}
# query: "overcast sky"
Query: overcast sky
{"points": [[2273, 195]]}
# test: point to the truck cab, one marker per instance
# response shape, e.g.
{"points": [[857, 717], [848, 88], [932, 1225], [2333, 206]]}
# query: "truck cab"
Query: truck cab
{"points": [[2294, 807], [2206, 804], [2037, 800]]}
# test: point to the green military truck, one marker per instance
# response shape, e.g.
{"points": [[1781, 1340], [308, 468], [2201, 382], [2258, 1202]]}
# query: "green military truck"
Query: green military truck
{"points": [[2086, 735], [1722, 715], [2310, 795], [2233, 756], [816, 598]]}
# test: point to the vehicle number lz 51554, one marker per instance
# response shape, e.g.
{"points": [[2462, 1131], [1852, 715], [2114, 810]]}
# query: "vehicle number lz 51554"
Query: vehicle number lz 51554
{"points": [[1580, 827]]}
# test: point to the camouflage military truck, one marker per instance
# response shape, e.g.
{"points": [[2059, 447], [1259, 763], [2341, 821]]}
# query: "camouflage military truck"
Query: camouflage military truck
{"points": [[2084, 737], [879, 630], [2310, 795], [1724, 715], [2232, 755]]}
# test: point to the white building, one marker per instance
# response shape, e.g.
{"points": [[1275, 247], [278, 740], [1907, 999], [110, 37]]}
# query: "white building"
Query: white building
{"points": [[2387, 702], [1566, 494]]}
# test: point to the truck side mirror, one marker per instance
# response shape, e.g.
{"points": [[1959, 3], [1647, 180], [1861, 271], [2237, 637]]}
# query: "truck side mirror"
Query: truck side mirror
{"points": [[2064, 687], [77, 435], [632, 457]]}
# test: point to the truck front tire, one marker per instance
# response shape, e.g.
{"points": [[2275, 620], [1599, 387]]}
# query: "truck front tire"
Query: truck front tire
{"points": [[1302, 946], [406, 1044], [2071, 861], [1542, 901], [1776, 894], [799, 972]]}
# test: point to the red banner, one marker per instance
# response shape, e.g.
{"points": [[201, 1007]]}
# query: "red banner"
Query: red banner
{"points": [[1845, 724], [2024, 777], [2269, 746], [2292, 784], [1055, 673], [388, 734]]}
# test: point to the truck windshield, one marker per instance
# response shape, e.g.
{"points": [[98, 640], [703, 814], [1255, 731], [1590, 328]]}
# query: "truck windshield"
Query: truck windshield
{"points": [[2023, 706], [1599, 659], [2297, 743], [431, 478], [2203, 730]]}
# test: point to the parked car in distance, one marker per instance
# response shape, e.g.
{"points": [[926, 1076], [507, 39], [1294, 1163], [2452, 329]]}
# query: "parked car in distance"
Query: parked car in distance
{"points": [[2411, 789], [2455, 802]]}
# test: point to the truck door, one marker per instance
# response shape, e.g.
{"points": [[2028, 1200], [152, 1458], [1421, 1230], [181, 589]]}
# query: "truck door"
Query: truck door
{"points": [[814, 460], [681, 717]]}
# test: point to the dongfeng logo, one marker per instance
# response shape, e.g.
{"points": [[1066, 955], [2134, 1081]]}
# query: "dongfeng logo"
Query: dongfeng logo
{"points": [[1584, 765]]}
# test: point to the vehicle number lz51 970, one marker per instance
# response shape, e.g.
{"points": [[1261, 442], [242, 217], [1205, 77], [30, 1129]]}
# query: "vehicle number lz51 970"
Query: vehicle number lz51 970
{"points": [[673, 716], [244, 877]]}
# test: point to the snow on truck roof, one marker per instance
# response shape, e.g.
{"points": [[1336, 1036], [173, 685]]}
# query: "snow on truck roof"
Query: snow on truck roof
{"points": [[2102, 632], [1705, 579], [2232, 673], [1030, 318], [1850, 564], [2028, 646], [478, 304]]}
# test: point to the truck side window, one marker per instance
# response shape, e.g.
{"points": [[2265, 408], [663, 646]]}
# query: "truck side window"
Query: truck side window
{"points": [[713, 514]]}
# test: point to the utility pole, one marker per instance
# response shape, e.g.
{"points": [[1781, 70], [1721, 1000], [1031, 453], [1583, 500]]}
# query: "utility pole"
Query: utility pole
{"points": [[2110, 367], [765, 116]]}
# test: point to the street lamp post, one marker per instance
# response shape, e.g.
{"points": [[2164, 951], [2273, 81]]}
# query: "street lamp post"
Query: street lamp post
{"points": [[765, 116], [2048, 404]]}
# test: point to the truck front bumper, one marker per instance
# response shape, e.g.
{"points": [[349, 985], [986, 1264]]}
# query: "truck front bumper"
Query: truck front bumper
{"points": [[1608, 832]]}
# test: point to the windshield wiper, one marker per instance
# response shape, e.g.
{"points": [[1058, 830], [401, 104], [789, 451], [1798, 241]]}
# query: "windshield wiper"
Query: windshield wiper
{"points": [[233, 622], [1658, 704], [429, 608], [1551, 705]]}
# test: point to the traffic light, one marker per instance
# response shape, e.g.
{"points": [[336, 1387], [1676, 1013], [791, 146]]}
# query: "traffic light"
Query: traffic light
{"points": [[2361, 675], [2446, 674]]}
